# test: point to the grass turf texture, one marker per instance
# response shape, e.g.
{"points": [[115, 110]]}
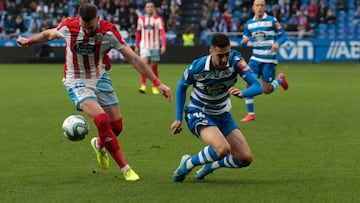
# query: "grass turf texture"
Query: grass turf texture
{"points": [[305, 141]]}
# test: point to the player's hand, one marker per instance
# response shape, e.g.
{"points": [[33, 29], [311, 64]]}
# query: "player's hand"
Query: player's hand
{"points": [[176, 127], [275, 47], [166, 92], [162, 50], [22, 41], [236, 92], [245, 41]]}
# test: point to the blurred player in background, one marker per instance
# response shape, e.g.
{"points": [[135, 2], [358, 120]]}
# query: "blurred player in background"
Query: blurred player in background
{"points": [[88, 41], [208, 114], [267, 35], [150, 42]]}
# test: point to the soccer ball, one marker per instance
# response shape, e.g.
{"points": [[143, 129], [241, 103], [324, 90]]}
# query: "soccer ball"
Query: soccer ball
{"points": [[75, 127]]}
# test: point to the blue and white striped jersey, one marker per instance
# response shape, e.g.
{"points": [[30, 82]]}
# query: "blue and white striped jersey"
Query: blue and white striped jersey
{"points": [[262, 34], [210, 86]]}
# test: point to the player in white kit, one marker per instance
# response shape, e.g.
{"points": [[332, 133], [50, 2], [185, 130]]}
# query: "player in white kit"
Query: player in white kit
{"points": [[150, 42]]}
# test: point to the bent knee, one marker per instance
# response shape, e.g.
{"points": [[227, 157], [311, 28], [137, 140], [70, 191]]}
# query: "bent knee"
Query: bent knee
{"points": [[222, 151], [245, 161], [267, 91]]}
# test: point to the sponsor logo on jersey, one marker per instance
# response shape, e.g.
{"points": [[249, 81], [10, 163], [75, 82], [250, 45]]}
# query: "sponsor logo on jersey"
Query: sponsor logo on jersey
{"points": [[215, 89], [99, 37], [258, 35], [84, 49], [148, 27]]}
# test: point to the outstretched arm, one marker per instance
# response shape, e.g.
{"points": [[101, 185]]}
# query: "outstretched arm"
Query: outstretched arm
{"points": [[44, 36]]}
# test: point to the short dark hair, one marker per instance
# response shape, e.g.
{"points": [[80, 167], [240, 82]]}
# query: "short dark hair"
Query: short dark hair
{"points": [[149, 1], [87, 11], [220, 40]]}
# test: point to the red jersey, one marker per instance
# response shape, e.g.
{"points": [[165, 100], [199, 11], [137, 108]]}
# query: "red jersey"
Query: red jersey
{"points": [[87, 56], [150, 29]]}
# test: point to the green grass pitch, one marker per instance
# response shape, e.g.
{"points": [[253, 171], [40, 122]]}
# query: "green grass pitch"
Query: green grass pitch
{"points": [[305, 141]]}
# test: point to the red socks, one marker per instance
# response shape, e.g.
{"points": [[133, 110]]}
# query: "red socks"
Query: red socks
{"points": [[143, 79], [108, 139], [117, 126], [154, 68]]}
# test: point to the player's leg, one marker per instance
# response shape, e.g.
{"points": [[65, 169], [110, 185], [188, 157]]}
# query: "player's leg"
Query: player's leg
{"points": [[115, 116], [85, 99], [155, 58], [217, 147], [109, 123], [203, 127], [249, 101], [144, 54], [93, 109], [284, 84], [240, 154], [270, 83], [239, 157]]}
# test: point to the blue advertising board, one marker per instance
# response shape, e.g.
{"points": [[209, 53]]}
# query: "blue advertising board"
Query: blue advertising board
{"points": [[317, 50], [313, 50], [293, 50]]}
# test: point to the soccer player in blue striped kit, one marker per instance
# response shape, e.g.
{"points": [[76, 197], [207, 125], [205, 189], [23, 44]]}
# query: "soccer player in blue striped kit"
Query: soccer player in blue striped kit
{"points": [[208, 113], [266, 34]]}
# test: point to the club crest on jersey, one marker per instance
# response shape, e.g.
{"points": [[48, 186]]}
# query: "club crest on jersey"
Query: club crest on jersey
{"points": [[84, 49], [99, 37]]}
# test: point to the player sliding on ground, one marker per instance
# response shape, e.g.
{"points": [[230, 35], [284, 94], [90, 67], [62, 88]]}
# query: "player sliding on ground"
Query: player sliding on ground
{"points": [[208, 115]]}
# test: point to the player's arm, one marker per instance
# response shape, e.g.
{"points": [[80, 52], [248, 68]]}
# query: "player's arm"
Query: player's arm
{"points": [[138, 37], [163, 38], [254, 87], [137, 41], [180, 104], [141, 67], [44, 36], [281, 35], [245, 37]]}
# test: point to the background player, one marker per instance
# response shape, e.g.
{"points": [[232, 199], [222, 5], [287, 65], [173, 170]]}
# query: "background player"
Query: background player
{"points": [[150, 42], [267, 35]]}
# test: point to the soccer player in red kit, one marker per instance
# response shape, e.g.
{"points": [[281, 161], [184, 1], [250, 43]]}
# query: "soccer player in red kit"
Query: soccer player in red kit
{"points": [[88, 41], [150, 42]]}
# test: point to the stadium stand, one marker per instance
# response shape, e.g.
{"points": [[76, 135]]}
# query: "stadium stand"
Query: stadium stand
{"points": [[328, 19]]}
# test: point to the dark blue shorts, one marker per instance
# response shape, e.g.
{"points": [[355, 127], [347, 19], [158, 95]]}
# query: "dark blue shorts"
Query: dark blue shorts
{"points": [[195, 117]]}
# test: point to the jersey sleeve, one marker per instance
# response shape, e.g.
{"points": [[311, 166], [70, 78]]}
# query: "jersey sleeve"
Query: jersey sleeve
{"points": [[162, 32], [246, 33], [185, 81], [62, 28], [248, 75], [138, 32], [116, 39], [280, 32]]}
